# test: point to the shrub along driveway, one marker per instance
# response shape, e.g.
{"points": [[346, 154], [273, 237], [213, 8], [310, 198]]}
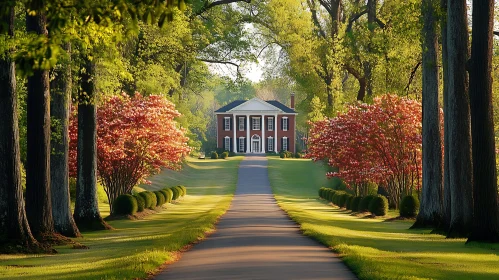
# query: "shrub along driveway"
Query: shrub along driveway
{"points": [[256, 240]]}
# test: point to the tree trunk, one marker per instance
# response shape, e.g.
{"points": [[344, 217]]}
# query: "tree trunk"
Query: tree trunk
{"points": [[485, 219], [87, 215], [368, 65], [60, 104], [446, 205], [430, 210], [460, 166], [14, 228], [38, 200]]}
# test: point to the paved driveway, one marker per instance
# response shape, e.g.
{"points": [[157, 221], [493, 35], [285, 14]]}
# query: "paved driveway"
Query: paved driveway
{"points": [[255, 239]]}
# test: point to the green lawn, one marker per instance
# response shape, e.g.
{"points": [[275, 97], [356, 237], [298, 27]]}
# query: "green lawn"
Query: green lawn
{"points": [[139, 247], [375, 248]]}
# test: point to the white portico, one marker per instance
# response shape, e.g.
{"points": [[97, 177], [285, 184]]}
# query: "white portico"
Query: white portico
{"points": [[255, 126]]}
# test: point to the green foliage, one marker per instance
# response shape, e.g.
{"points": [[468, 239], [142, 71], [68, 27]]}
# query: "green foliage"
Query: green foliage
{"points": [[364, 203], [298, 155], [285, 154], [338, 199], [176, 193], [169, 196], [348, 202], [214, 155], [147, 199], [409, 206], [354, 205], [184, 190], [141, 203], [338, 184], [321, 192], [378, 205], [153, 201], [160, 198], [165, 194], [125, 204], [343, 200], [232, 154], [224, 155]]}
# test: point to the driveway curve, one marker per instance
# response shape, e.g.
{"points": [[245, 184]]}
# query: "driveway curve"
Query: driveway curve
{"points": [[255, 239]]}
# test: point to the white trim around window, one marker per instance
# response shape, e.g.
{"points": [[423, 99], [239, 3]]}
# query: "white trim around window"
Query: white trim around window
{"points": [[227, 143], [226, 123], [270, 143], [285, 123], [241, 144], [285, 143], [255, 123], [270, 124], [241, 123]]}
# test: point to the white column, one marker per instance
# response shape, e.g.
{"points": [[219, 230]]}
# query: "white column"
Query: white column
{"points": [[234, 146], [263, 134], [247, 134], [275, 133]]}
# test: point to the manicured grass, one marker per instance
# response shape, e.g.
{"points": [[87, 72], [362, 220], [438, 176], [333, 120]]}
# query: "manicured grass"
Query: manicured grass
{"points": [[375, 248], [137, 248]]}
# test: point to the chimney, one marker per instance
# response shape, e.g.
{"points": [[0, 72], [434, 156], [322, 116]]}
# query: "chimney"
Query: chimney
{"points": [[293, 100]]}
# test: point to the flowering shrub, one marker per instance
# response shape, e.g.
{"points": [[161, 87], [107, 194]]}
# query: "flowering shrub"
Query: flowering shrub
{"points": [[378, 143], [136, 137]]}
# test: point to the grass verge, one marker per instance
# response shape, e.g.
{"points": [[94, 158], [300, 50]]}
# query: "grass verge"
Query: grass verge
{"points": [[137, 248], [375, 248]]}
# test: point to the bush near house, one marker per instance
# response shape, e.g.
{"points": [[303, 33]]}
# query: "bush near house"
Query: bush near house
{"points": [[378, 206], [224, 155], [214, 155], [409, 207], [125, 204]]}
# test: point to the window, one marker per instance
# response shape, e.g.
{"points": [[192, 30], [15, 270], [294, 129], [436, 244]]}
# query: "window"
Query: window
{"points": [[255, 123], [241, 144], [270, 124], [241, 123], [284, 143], [285, 123], [227, 143], [227, 123], [270, 144]]}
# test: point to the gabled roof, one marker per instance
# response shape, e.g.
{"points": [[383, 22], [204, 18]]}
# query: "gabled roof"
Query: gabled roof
{"points": [[229, 106], [274, 103]]}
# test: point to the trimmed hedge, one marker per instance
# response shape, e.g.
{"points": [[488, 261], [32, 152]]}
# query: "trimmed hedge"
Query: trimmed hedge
{"points": [[160, 198], [154, 200], [224, 155], [214, 155], [183, 190], [348, 203], [125, 204], [141, 203], [232, 154], [409, 206], [147, 199], [355, 203], [378, 205], [364, 203], [337, 197], [165, 194], [321, 192], [176, 193], [169, 193]]}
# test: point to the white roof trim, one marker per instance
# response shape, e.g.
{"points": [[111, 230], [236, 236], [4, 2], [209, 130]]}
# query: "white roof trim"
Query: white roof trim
{"points": [[256, 99]]}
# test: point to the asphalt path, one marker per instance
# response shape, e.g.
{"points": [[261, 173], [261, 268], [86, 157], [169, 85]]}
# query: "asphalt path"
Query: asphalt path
{"points": [[255, 239]]}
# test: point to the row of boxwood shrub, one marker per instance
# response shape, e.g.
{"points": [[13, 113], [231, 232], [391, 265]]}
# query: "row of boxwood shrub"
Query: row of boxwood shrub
{"points": [[288, 154], [376, 204], [127, 204], [222, 155]]}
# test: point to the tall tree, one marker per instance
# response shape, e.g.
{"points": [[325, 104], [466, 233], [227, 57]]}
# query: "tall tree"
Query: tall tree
{"points": [[460, 165], [485, 219], [60, 103], [446, 203], [430, 210], [38, 197], [14, 228], [86, 214]]}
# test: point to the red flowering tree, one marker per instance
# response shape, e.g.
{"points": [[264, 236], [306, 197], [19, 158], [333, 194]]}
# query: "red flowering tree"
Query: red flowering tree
{"points": [[379, 143], [136, 136]]}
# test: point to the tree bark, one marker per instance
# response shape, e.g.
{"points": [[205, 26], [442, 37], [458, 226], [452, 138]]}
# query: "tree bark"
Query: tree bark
{"points": [[485, 219], [460, 166], [60, 104], [87, 215], [38, 200], [368, 65], [446, 205], [430, 210], [14, 228]]}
